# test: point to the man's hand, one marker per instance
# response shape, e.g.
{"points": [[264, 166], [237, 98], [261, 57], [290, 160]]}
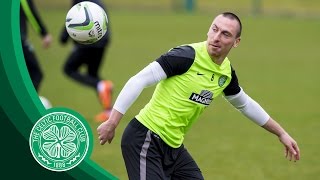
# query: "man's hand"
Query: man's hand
{"points": [[292, 151], [106, 132], [291, 147], [46, 41]]}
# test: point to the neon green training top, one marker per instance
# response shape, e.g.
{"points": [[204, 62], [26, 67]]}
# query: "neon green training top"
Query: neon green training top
{"points": [[193, 81]]}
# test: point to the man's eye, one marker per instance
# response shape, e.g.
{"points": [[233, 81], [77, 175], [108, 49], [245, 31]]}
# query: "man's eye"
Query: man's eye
{"points": [[227, 34]]}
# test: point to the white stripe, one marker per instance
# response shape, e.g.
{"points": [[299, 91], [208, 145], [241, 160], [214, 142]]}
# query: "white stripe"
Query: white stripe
{"points": [[143, 156]]}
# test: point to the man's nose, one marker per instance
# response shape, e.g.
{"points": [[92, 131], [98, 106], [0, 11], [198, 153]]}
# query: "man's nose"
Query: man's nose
{"points": [[216, 36]]}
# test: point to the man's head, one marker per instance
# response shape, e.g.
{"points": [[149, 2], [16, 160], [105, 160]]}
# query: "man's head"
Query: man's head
{"points": [[224, 33]]}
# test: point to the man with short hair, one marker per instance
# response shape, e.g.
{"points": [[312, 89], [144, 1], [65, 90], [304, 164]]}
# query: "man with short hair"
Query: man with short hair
{"points": [[189, 77]]}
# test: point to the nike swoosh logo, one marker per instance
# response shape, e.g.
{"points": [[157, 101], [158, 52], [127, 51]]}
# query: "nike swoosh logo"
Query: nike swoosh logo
{"points": [[200, 74], [87, 24]]}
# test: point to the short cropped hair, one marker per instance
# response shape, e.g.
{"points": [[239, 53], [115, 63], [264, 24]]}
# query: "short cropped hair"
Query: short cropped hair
{"points": [[232, 16]]}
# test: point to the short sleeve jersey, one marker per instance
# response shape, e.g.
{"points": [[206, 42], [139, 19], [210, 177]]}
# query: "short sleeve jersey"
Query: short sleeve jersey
{"points": [[193, 81]]}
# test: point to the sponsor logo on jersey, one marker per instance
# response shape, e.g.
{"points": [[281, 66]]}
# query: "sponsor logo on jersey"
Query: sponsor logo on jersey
{"points": [[205, 97]]}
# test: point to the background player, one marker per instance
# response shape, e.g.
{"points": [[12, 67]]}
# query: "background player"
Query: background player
{"points": [[29, 13], [90, 56]]}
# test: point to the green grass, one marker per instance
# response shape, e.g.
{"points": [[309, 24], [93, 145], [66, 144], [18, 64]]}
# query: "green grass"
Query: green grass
{"points": [[277, 64]]}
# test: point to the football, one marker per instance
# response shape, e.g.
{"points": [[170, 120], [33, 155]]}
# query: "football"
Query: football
{"points": [[86, 22]]}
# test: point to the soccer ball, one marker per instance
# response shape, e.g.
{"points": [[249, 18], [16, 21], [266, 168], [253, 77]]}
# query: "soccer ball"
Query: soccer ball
{"points": [[46, 103], [86, 22]]}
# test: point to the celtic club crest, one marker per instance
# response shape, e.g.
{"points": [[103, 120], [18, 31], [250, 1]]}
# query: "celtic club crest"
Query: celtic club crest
{"points": [[59, 141]]}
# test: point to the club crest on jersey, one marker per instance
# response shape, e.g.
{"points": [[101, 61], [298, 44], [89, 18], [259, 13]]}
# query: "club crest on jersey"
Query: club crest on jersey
{"points": [[222, 80], [205, 97]]}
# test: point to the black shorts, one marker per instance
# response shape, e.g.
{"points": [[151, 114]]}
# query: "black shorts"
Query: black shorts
{"points": [[147, 157]]}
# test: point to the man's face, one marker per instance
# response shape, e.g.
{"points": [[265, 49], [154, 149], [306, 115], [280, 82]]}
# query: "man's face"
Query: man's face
{"points": [[222, 36]]}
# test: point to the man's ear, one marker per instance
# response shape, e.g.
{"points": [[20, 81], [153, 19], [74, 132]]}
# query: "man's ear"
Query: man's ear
{"points": [[236, 42]]}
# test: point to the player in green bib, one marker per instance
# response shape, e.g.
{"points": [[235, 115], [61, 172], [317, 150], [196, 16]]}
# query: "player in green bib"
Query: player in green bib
{"points": [[188, 78]]}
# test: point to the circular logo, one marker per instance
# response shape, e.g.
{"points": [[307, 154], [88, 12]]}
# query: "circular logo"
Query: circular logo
{"points": [[59, 141], [222, 80]]}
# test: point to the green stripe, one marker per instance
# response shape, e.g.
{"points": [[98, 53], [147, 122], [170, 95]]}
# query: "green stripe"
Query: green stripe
{"points": [[83, 28], [30, 16]]}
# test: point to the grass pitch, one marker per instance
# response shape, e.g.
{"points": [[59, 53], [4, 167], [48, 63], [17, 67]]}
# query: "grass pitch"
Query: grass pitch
{"points": [[277, 65]]}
